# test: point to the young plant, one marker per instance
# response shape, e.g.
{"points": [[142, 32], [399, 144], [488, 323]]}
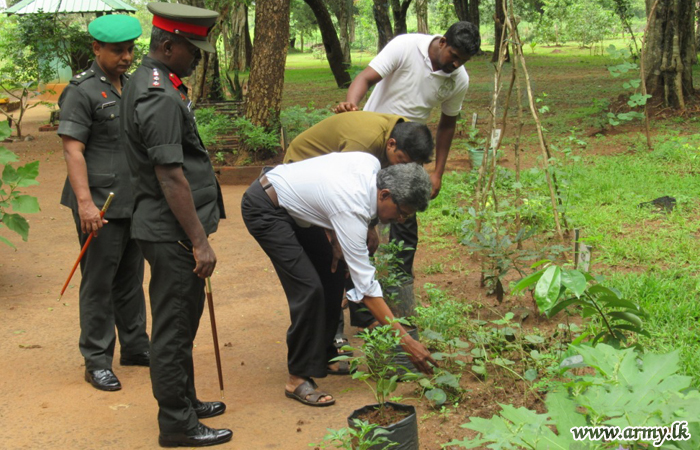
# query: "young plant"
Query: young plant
{"points": [[557, 288], [388, 269], [363, 436], [376, 360], [636, 99], [12, 202]]}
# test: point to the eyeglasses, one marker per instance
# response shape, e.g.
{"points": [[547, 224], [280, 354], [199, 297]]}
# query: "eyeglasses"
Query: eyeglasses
{"points": [[402, 215]]}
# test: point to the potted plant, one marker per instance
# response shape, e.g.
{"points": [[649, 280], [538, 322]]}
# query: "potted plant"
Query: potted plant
{"points": [[375, 366]]}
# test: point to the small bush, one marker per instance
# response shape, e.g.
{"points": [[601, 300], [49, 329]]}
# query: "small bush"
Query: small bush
{"points": [[211, 125]]}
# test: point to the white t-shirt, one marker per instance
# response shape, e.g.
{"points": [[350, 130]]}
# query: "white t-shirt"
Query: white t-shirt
{"points": [[337, 191], [409, 87]]}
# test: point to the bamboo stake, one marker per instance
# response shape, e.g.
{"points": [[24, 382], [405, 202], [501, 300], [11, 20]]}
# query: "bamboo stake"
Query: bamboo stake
{"points": [[643, 77], [540, 134]]}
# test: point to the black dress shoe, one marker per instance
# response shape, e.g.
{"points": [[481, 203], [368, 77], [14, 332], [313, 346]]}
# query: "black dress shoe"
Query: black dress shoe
{"points": [[103, 379], [139, 359], [209, 409], [201, 436]]}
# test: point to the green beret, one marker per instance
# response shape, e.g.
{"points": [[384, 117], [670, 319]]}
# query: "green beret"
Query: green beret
{"points": [[114, 28]]}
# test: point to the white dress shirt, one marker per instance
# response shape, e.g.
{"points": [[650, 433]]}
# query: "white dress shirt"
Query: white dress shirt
{"points": [[337, 191], [409, 87]]}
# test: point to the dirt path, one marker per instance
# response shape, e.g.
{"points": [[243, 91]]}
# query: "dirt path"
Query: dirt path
{"points": [[44, 401]]}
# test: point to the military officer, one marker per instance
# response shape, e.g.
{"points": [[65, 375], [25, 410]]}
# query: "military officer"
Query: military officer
{"points": [[177, 206], [111, 291]]}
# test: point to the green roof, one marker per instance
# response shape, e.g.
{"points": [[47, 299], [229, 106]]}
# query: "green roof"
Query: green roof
{"points": [[69, 6]]}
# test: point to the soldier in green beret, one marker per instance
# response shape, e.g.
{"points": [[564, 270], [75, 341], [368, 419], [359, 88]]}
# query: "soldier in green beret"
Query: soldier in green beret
{"points": [[178, 205], [111, 292]]}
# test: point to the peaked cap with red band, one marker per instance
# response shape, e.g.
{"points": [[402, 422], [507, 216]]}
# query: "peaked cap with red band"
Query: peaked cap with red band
{"points": [[190, 22]]}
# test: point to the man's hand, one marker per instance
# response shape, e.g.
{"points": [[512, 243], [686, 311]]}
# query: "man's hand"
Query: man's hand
{"points": [[418, 354], [372, 240], [90, 220], [205, 258], [437, 184], [345, 107]]}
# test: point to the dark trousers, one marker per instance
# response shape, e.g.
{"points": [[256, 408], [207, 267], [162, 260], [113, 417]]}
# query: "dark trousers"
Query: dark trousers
{"points": [[177, 302], [311, 290], [408, 233], [111, 294]]}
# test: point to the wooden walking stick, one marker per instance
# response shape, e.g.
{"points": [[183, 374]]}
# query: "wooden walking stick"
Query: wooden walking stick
{"points": [[85, 246], [210, 301]]}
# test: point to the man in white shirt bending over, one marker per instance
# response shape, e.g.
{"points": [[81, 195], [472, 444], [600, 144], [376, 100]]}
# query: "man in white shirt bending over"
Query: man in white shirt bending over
{"points": [[341, 192], [413, 74]]}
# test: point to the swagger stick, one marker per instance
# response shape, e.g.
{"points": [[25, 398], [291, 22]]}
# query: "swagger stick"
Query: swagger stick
{"points": [[210, 301], [85, 246]]}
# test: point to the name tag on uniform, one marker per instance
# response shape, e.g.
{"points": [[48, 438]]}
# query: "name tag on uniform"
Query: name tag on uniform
{"points": [[108, 104]]}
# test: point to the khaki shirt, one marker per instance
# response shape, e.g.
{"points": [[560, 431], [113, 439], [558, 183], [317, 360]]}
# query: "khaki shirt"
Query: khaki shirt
{"points": [[90, 114], [360, 131], [159, 129]]}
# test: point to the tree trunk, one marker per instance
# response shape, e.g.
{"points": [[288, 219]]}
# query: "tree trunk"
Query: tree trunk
{"points": [[467, 10], [237, 38], [499, 20], [267, 68], [399, 9], [206, 79], [342, 9], [669, 51], [381, 17], [331, 43], [422, 16]]}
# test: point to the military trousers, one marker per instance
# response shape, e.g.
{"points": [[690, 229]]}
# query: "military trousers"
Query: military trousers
{"points": [[111, 295], [314, 312], [177, 302]]}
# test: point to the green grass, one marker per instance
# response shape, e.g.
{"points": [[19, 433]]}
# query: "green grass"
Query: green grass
{"points": [[671, 300]]}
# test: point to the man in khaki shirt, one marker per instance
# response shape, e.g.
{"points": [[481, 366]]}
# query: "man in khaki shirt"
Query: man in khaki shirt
{"points": [[391, 138]]}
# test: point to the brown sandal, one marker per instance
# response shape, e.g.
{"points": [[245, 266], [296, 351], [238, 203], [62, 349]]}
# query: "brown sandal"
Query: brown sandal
{"points": [[308, 394]]}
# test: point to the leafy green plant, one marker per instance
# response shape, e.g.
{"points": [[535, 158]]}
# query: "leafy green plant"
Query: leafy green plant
{"points": [[442, 387], [625, 389], [256, 138], [12, 202], [557, 288], [498, 250], [636, 99], [388, 269], [363, 436], [211, 125], [377, 359], [297, 119]]}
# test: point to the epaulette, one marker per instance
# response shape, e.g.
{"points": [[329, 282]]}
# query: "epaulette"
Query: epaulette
{"points": [[80, 77], [155, 82]]}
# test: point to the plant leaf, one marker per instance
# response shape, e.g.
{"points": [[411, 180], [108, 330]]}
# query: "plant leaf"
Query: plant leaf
{"points": [[25, 204], [547, 288], [16, 223], [574, 281]]}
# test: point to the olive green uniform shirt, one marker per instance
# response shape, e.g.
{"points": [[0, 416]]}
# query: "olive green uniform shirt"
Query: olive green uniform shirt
{"points": [[90, 114], [361, 131], [160, 129]]}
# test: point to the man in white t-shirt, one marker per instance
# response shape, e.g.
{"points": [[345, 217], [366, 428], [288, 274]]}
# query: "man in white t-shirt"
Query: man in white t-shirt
{"points": [[413, 74], [343, 193]]}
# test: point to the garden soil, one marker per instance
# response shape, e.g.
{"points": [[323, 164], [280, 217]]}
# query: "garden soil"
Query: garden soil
{"points": [[45, 402]]}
